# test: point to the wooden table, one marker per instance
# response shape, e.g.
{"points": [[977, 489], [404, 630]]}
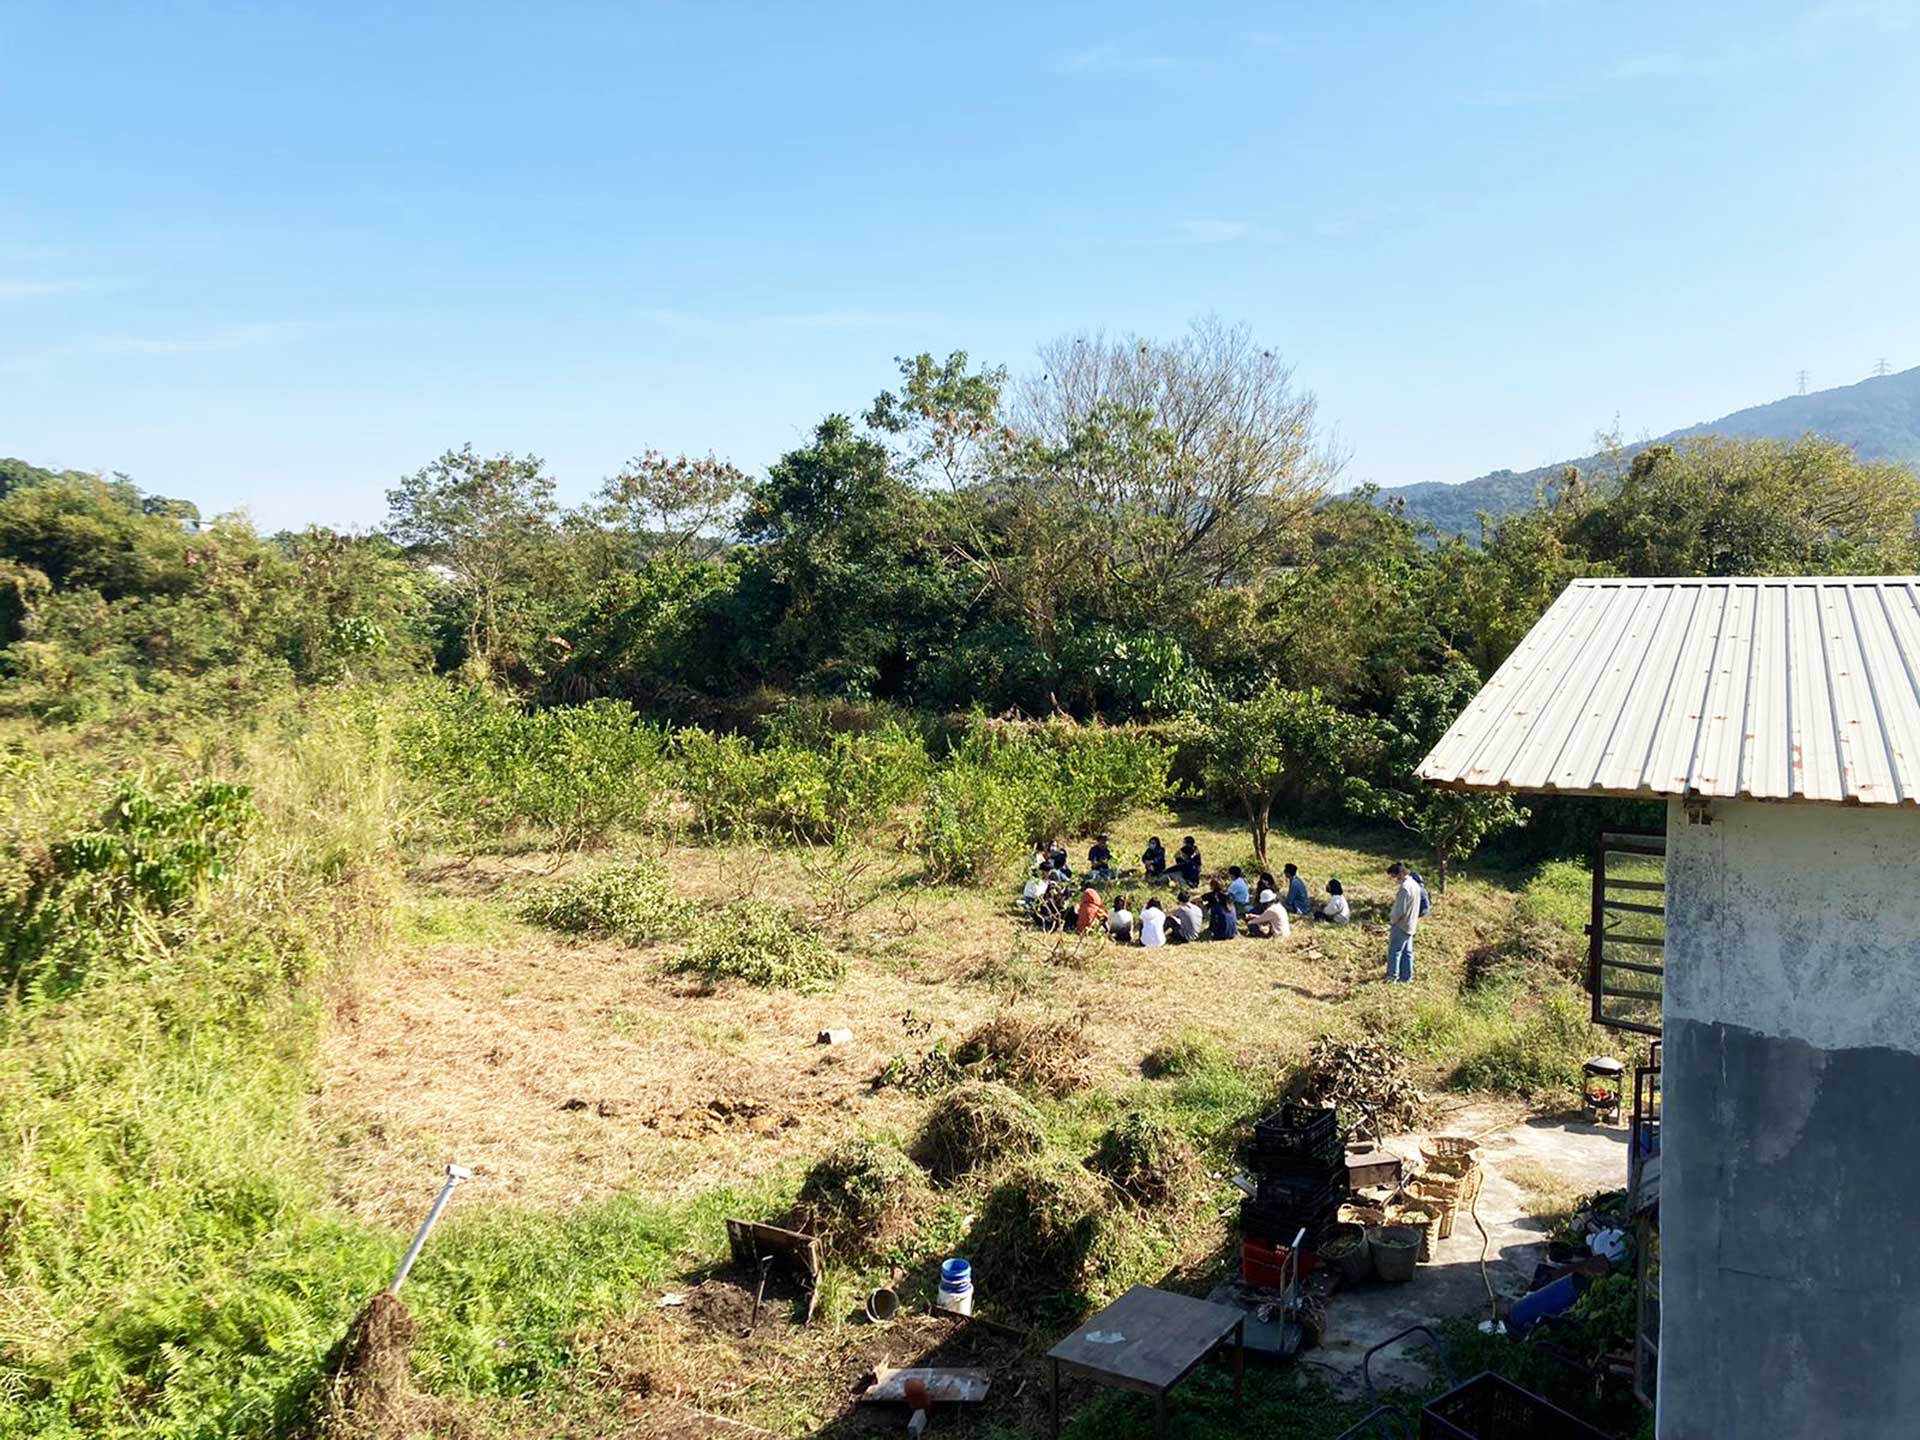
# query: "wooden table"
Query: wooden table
{"points": [[1149, 1340]]}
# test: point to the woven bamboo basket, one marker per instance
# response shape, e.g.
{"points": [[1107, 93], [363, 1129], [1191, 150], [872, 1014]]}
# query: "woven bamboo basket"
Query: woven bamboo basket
{"points": [[1421, 1216], [1444, 1203], [1362, 1215], [1448, 1151]]}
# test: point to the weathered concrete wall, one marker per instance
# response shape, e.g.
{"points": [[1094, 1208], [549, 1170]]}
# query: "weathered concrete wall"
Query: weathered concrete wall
{"points": [[1790, 1184]]}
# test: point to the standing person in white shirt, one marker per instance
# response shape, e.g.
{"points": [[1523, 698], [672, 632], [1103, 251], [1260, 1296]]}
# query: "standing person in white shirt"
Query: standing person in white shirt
{"points": [[1402, 921], [1153, 924]]}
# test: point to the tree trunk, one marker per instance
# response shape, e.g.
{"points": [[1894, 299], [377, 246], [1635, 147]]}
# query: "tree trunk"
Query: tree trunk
{"points": [[1259, 821]]}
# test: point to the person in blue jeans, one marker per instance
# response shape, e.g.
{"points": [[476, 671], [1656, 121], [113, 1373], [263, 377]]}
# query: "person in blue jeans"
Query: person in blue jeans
{"points": [[1402, 920]]}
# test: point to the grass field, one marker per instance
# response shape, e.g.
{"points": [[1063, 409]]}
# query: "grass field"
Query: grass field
{"points": [[215, 1141], [571, 1071]]}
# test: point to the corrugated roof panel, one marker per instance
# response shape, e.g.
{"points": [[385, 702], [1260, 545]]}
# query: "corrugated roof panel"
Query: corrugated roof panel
{"points": [[1770, 689]]}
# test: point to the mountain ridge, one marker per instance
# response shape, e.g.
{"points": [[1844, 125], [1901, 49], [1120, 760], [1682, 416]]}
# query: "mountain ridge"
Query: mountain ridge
{"points": [[1879, 417]]}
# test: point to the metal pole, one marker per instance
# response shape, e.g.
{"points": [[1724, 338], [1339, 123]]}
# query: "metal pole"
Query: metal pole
{"points": [[455, 1174]]}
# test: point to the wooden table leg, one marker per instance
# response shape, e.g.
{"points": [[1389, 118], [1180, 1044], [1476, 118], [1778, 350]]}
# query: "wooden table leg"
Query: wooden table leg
{"points": [[1056, 1400], [1160, 1416], [1239, 1360]]}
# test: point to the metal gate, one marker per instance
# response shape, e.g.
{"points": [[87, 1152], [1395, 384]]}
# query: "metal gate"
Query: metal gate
{"points": [[1627, 934]]}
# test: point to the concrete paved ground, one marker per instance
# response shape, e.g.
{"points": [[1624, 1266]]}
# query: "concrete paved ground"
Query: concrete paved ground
{"points": [[1589, 1158]]}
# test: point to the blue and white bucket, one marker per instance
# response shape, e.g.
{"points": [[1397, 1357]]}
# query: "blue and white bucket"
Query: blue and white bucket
{"points": [[956, 1287]]}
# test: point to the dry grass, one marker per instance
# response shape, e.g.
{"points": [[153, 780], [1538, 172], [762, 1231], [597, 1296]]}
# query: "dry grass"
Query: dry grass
{"points": [[564, 1070]]}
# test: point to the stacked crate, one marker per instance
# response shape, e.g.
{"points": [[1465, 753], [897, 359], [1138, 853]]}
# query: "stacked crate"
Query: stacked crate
{"points": [[1299, 1168]]}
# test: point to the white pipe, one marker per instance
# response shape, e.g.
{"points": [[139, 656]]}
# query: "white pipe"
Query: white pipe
{"points": [[455, 1174]]}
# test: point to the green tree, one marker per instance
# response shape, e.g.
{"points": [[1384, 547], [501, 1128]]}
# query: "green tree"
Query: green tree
{"points": [[489, 523], [1754, 507], [1452, 824], [846, 588], [672, 506], [1255, 750]]}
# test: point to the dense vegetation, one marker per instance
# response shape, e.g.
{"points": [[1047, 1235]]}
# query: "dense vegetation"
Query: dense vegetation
{"points": [[980, 615]]}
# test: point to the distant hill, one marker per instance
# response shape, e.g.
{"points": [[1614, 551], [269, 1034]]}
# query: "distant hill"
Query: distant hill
{"points": [[1878, 417]]}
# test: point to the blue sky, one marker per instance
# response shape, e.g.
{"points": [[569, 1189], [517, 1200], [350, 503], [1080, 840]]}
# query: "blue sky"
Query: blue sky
{"points": [[274, 256]]}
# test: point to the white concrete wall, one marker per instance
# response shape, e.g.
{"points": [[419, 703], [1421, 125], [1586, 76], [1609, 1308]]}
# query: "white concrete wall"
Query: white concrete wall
{"points": [[1797, 920], [1790, 1167]]}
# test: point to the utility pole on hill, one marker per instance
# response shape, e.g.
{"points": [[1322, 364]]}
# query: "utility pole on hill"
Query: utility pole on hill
{"points": [[1880, 366], [1800, 382]]}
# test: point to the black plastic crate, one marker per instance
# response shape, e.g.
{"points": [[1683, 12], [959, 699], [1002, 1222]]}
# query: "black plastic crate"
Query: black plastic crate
{"points": [[1278, 1224], [1298, 1127], [1301, 1192], [1490, 1407]]}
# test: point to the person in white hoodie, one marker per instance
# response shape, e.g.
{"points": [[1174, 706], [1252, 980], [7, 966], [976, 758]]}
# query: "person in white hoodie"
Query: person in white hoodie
{"points": [[1153, 924], [1402, 921]]}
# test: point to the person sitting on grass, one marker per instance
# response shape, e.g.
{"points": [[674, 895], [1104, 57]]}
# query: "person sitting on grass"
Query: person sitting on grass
{"points": [[1092, 911], [1153, 860], [1224, 921], [1057, 856], [1153, 924], [1031, 892], [1050, 911], [1266, 882], [1270, 920], [1237, 888], [1298, 901], [1120, 922], [1100, 859], [1336, 908], [1187, 862], [1185, 921]]}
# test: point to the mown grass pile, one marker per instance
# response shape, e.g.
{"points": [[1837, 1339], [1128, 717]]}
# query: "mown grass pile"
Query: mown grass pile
{"points": [[632, 901], [864, 1196], [978, 1125], [761, 945]]}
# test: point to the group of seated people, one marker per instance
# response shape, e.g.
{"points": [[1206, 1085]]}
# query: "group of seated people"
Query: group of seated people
{"points": [[1264, 909]]}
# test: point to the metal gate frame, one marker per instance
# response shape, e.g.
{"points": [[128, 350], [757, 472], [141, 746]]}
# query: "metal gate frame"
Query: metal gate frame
{"points": [[1652, 844]]}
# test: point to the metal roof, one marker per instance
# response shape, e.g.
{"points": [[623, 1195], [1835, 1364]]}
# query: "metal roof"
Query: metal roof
{"points": [[1766, 689]]}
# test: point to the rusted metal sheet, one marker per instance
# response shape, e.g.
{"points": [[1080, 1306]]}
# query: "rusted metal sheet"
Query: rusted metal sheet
{"points": [[1765, 689]]}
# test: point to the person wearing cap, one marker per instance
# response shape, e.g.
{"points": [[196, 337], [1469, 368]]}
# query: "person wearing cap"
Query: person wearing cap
{"points": [[1270, 920], [1402, 920]]}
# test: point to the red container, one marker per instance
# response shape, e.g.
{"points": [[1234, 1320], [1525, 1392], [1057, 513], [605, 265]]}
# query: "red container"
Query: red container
{"points": [[1260, 1263]]}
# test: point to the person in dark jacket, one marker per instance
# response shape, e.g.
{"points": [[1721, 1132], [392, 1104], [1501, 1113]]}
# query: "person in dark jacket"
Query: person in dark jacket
{"points": [[1187, 861], [1154, 859]]}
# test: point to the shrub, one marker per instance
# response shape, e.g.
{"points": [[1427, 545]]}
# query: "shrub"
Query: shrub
{"points": [[768, 947], [862, 1197], [1560, 893], [973, 825], [631, 901], [976, 1125], [1146, 1160], [803, 784], [1536, 1054], [95, 894], [1006, 784], [1050, 1236], [489, 767], [1050, 1055]]}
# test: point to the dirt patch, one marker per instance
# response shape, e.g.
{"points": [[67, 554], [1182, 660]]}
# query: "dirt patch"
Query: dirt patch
{"points": [[697, 1364]]}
